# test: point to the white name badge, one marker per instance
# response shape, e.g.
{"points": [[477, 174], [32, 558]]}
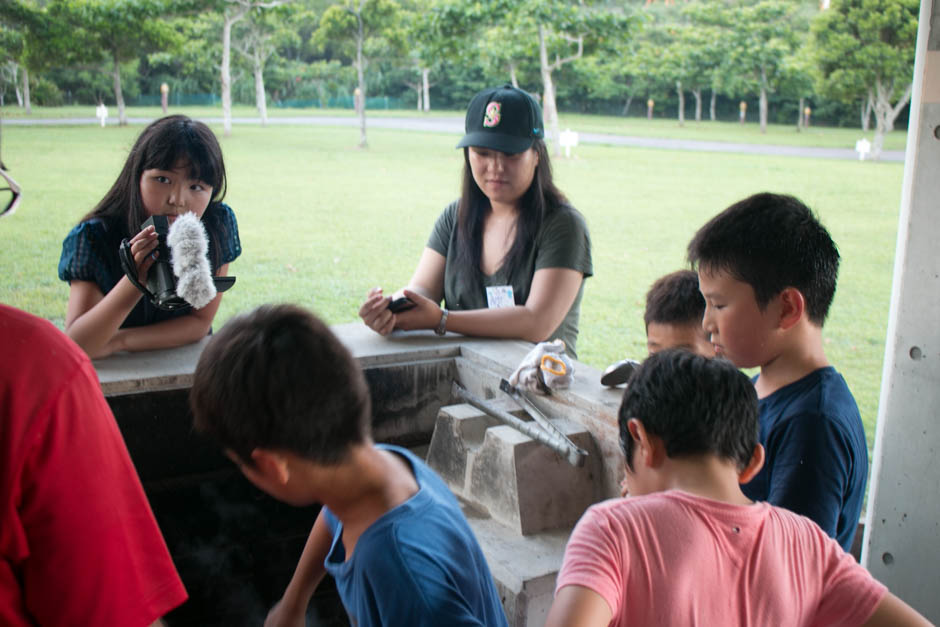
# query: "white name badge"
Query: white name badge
{"points": [[498, 296]]}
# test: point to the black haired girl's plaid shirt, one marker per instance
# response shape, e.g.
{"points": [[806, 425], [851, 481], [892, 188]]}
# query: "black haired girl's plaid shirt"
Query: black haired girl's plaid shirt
{"points": [[90, 253]]}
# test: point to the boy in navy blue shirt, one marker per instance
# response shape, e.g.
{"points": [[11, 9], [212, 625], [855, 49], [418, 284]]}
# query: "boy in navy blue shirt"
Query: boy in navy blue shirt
{"points": [[767, 269], [291, 407]]}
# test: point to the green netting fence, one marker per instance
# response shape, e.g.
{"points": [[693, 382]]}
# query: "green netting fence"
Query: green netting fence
{"points": [[175, 99], [340, 102]]}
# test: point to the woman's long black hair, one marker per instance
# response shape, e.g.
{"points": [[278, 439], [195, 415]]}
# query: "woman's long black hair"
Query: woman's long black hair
{"points": [[536, 203], [164, 144]]}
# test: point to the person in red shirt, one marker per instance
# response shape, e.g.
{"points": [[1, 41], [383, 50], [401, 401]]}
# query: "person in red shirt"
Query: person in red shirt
{"points": [[78, 542]]}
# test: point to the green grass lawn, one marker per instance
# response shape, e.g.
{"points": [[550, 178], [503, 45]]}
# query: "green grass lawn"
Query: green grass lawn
{"points": [[321, 222]]}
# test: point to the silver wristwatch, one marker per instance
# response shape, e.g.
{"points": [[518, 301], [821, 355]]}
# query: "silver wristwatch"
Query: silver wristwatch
{"points": [[442, 325]]}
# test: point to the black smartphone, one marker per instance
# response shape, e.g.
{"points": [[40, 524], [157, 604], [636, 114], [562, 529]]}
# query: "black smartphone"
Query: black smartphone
{"points": [[398, 305]]}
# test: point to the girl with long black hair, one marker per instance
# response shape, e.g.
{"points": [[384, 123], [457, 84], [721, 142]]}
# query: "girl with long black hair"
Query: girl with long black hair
{"points": [[174, 167], [510, 257]]}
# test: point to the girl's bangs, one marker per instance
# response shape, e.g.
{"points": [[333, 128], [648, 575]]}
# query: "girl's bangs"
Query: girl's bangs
{"points": [[200, 161]]}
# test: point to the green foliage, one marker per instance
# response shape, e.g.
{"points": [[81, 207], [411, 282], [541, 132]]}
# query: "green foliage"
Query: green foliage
{"points": [[90, 85], [858, 43], [45, 39], [11, 43], [193, 67], [631, 51], [118, 30], [46, 93], [380, 22], [756, 39]]}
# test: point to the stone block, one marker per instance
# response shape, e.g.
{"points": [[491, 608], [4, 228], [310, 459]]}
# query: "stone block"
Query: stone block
{"points": [[458, 435], [517, 481], [526, 485]]}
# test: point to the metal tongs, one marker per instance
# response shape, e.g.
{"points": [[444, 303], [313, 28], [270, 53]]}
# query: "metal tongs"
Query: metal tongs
{"points": [[546, 432]]}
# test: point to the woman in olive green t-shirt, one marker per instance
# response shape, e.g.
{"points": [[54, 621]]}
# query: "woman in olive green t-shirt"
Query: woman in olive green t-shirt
{"points": [[510, 257]]}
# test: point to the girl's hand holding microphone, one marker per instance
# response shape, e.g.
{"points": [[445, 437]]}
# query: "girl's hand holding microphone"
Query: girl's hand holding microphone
{"points": [[143, 246]]}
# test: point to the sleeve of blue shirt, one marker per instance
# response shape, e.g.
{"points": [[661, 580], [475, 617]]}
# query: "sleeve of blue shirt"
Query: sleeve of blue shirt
{"points": [[809, 457]]}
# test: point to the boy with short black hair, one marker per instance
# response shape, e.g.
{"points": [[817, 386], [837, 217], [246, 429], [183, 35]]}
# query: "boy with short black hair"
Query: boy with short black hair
{"points": [[674, 311], [767, 269], [673, 317], [688, 547], [291, 407]]}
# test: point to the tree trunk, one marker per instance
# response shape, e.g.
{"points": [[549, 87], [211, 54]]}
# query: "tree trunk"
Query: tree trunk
{"points": [[16, 84], [626, 106], [512, 75], [26, 100], [885, 114], [712, 106], [681, 103], [118, 94], [698, 104], [261, 100], [799, 115], [426, 89], [360, 37], [763, 102], [226, 76], [226, 70], [549, 109], [867, 107]]}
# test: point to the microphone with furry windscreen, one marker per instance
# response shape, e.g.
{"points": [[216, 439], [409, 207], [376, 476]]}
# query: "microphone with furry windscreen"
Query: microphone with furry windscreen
{"points": [[180, 276], [189, 245]]}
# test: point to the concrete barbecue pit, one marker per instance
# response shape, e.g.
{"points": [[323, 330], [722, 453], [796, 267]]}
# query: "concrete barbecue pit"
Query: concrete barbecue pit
{"points": [[236, 548]]}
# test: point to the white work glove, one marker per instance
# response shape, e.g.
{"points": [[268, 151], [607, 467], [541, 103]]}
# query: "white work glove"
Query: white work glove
{"points": [[545, 368]]}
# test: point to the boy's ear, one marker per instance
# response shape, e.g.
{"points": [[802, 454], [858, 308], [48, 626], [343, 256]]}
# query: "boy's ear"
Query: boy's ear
{"points": [[271, 465], [792, 307], [649, 447], [753, 467]]}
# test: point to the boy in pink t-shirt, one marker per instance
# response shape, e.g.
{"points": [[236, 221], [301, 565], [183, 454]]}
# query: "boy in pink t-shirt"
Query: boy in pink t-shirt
{"points": [[688, 548]]}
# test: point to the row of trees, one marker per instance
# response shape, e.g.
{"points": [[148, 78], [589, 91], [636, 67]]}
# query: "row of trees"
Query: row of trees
{"points": [[583, 54]]}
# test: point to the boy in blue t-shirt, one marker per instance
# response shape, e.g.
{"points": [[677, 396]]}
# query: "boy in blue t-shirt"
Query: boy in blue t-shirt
{"points": [[767, 269], [291, 407]]}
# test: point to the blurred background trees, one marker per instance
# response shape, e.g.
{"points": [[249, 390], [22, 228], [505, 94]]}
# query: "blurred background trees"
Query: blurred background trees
{"points": [[850, 63]]}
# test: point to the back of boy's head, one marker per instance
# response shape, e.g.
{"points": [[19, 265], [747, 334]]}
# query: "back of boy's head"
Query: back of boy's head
{"points": [[277, 378], [771, 242], [675, 299], [162, 145], [696, 406]]}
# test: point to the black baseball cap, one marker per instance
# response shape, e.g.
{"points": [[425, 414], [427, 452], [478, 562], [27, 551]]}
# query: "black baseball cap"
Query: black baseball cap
{"points": [[503, 118]]}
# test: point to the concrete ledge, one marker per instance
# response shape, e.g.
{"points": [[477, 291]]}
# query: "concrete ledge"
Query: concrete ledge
{"points": [[128, 373], [419, 363]]}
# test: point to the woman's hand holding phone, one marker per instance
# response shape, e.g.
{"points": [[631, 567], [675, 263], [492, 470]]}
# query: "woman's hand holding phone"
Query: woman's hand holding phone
{"points": [[375, 312]]}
